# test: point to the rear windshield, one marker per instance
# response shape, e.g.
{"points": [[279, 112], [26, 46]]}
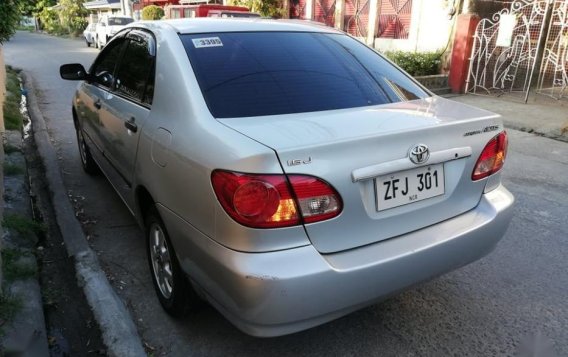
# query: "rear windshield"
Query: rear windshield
{"points": [[268, 73], [119, 21]]}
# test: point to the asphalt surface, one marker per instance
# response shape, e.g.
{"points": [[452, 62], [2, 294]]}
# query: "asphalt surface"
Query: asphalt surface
{"points": [[513, 300]]}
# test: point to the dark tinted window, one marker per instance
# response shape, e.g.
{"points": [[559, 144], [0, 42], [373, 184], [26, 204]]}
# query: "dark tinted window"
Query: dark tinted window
{"points": [[268, 73], [114, 21], [135, 70], [104, 66]]}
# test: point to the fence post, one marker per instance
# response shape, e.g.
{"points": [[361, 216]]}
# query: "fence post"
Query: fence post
{"points": [[461, 52], [339, 14], [309, 10], [373, 21]]}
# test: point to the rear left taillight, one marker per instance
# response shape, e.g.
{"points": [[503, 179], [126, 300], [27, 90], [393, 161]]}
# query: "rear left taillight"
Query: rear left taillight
{"points": [[492, 157], [271, 201]]}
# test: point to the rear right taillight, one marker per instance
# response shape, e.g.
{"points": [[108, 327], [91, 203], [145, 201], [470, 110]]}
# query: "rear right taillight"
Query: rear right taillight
{"points": [[271, 201], [492, 157]]}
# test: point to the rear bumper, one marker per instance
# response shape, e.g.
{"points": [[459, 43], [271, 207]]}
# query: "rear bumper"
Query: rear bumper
{"points": [[276, 293]]}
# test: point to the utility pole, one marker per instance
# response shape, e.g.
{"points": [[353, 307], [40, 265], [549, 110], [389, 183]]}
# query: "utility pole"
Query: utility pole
{"points": [[126, 8]]}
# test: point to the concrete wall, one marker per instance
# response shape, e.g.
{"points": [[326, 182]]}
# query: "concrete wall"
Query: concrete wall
{"points": [[430, 28]]}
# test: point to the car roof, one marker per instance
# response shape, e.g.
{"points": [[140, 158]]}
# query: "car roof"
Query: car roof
{"points": [[207, 24]]}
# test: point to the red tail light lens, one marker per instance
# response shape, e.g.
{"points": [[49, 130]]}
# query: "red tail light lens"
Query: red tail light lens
{"points": [[266, 201], [492, 157]]}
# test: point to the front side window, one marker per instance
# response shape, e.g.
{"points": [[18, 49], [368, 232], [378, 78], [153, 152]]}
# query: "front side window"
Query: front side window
{"points": [[135, 73], [270, 73], [105, 64]]}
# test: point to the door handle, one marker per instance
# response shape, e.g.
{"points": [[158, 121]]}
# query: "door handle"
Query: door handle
{"points": [[97, 104], [131, 125]]}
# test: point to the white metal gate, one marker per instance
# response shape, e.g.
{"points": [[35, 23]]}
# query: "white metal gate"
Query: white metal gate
{"points": [[506, 48], [553, 79]]}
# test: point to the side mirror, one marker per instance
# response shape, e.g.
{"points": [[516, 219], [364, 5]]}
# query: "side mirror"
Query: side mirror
{"points": [[73, 72]]}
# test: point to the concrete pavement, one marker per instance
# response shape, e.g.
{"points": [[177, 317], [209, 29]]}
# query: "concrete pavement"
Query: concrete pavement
{"points": [[542, 115]]}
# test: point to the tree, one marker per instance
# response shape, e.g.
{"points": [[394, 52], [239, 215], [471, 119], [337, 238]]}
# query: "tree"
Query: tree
{"points": [[9, 18], [152, 12], [267, 8], [73, 15]]}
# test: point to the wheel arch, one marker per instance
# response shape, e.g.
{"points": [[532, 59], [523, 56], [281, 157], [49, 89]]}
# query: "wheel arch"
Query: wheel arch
{"points": [[143, 202]]}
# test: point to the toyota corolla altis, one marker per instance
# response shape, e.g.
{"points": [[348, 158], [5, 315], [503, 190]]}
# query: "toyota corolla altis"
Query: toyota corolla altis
{"points": [[283, 171]]}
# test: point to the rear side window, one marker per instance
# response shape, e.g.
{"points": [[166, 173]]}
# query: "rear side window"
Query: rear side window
{"points": [[269, 73], [119, 21]]}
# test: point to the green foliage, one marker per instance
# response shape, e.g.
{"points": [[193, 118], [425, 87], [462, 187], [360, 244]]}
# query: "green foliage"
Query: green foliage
{"points": [[23, 225], [27, 7], [417, 63], [73, 16], [266, 8], [9, 18], [152, 12], [49, 19], [11, 169], [13, 268], [12, 117], [9, 306]]}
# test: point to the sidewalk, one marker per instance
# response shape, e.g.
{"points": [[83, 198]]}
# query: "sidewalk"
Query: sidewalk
{"points": [[541, 115]]}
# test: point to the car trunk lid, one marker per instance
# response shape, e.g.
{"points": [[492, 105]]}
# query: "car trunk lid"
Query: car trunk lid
{"points": [[362, 151]]}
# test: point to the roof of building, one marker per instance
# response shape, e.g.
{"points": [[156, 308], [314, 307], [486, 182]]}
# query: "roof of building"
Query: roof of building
{"points": [[102, 4]]}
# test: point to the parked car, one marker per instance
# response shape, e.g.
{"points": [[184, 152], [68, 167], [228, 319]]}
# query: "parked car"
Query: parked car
{"points": [[284, 171], [90, 34], [108, 26]]}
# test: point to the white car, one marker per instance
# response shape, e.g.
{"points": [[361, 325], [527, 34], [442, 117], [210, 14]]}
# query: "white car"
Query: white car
{"points": [[90, 34], [108, 26]]}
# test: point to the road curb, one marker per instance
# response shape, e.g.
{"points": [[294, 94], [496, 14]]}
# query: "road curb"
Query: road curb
{"points": [[117, 327]]}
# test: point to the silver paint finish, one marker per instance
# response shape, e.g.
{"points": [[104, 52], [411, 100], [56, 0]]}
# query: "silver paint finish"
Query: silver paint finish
{"points": [[270, 294], [161, 260], [277, 281]]}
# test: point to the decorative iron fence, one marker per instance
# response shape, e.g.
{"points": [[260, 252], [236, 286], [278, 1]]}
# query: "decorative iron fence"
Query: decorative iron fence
{"points": [[506, 48], [553, 79]]}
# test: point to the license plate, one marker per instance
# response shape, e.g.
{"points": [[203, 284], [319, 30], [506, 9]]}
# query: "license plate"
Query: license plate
{"points": [[401, 188]]}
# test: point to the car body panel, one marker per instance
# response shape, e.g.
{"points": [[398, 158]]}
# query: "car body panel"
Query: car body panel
{"points": [[271, 294], [335, 144]]}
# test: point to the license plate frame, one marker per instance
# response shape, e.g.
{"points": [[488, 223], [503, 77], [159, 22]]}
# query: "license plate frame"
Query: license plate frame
{"points": [[390, 189]]}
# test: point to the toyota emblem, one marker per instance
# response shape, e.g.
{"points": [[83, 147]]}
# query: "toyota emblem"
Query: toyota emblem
{"points": [[419, 154]]}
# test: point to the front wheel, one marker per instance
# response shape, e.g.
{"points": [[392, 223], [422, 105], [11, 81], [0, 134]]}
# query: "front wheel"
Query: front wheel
{"points": [[88, 43], [87, 161], [174, 291]]}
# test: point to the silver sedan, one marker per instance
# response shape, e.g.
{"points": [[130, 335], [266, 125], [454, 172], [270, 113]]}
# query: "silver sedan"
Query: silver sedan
{"points": [[283, 171]]}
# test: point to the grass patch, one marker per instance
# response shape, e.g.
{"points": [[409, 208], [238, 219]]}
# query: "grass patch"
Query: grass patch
{"points": [[13, 119], [9, 306], [12, 169], [23, 225], [8, 149], [13, 269]]}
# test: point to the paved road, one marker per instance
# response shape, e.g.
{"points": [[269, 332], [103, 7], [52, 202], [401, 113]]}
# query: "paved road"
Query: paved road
{"points": [[516, 296]]}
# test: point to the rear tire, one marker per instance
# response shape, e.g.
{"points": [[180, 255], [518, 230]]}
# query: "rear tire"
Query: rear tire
{"points": [[174, 291], [87, 161], [88, 43], [97, 42]]}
